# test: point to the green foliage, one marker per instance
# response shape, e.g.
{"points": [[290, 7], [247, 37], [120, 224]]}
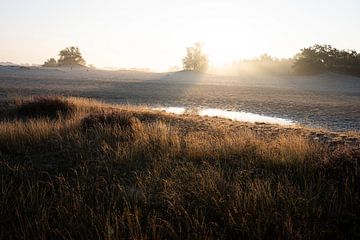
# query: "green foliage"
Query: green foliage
{"points": [[195, 60], [325, 58], [71, 56]]}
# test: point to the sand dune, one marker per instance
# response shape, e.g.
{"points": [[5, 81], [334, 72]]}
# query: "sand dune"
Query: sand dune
{"points": [[328, 100]]}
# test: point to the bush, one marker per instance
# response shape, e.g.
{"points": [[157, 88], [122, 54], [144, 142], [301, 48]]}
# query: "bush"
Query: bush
{"points": [[50, 63], [46, 107]]}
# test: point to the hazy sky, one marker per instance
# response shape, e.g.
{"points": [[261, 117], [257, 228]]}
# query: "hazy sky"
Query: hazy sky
{"points": [[154, 33]]}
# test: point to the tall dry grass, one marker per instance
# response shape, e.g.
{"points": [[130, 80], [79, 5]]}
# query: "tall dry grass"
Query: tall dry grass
{"points": [[144, 179]]}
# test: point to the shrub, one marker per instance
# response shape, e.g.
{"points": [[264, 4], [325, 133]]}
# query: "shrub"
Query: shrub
{"points": [[50, 63], [46, 107]]}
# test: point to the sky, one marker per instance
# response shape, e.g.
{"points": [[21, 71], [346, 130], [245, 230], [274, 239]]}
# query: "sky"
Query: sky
{"points": [[154, 34]]}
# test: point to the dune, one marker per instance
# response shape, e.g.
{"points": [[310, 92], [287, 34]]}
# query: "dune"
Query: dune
{"points": [[327, 101]]}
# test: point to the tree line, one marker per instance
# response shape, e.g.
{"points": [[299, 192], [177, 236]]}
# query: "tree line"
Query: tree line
{"points": [[325, 58], [312, 60]]}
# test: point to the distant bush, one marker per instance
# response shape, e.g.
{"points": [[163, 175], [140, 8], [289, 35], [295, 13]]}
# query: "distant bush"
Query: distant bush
{"points": [[50, 63], [264, 64], [46, 107], [325, 58]]}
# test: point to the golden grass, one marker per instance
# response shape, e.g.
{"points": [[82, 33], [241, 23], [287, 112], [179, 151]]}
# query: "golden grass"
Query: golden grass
{"points": [[155, 180]]}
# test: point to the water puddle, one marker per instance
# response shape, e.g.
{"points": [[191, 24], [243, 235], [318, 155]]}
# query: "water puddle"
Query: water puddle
{"points": [[233, 115], [244, 116]]}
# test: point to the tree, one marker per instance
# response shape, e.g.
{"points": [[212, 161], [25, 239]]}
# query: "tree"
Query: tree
{"points": [[310, 60], [50, 63], [322, 58], [195, 60], [71, 56]]}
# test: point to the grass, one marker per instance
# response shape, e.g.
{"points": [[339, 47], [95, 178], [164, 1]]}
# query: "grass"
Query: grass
{"points": [[115, 172]]}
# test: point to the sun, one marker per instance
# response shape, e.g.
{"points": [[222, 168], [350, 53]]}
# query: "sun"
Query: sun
{"points": [[221, 51]]}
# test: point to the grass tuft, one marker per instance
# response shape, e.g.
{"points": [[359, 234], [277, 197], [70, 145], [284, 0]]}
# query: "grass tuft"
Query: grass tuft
{"points": [[121, 119], [46, 107]]}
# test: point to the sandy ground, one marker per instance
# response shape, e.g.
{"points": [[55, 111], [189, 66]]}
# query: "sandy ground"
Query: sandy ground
{"points": [[329, 101]]}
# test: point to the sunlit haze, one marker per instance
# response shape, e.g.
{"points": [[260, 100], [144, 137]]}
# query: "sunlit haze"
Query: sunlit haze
{"points": [[154, 34]]}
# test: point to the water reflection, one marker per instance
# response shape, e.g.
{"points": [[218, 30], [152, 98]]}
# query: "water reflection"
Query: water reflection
{"points": [[244, 116], [236, 116]]}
